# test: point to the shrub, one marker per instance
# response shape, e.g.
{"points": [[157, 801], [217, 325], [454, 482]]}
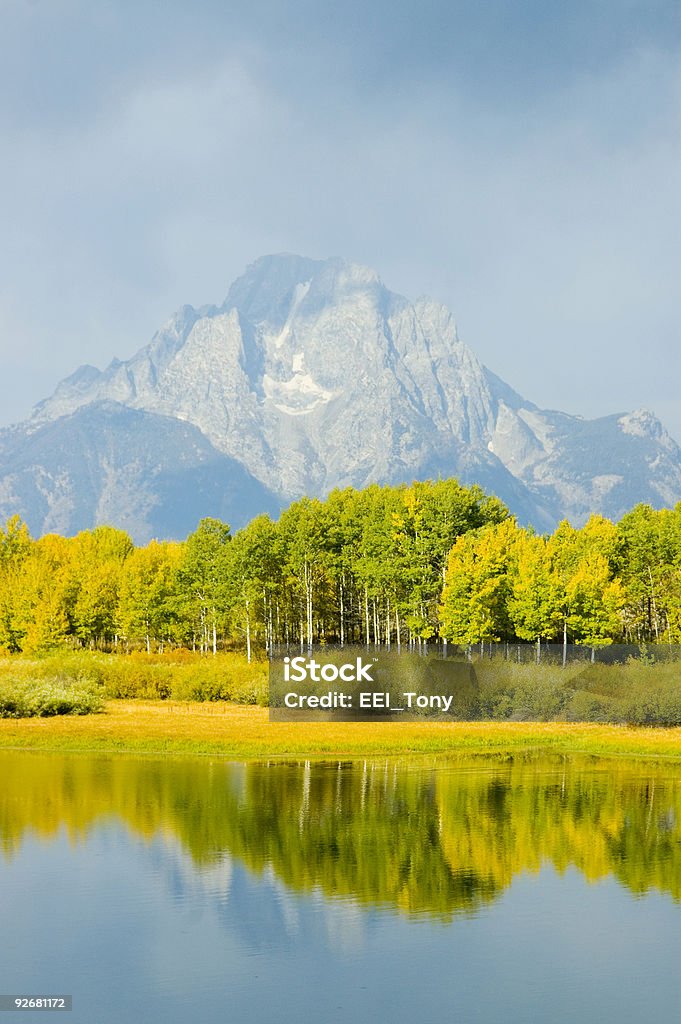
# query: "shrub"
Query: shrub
{"points": [[221, 678], [21, 698]]}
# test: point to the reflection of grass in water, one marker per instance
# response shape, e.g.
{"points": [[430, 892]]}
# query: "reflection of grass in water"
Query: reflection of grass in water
{"points": [[424, 838], [245, 732]]}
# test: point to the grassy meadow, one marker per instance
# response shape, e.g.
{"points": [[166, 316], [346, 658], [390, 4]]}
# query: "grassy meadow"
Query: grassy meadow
{"points": [[245, 732], [183, 703]]}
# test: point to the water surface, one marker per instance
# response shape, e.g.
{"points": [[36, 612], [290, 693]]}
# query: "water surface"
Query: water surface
{"points": [[534, 888]]}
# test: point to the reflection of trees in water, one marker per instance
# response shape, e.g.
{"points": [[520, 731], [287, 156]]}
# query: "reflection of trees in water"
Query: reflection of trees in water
{"points": [[424, 840], [621, 822]]}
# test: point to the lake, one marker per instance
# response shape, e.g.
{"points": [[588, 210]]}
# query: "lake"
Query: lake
{"points": [[532, 888]]}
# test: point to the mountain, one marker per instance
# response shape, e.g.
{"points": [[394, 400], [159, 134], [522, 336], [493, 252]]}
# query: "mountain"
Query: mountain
{"points": [[312, 375], [151, 475]]}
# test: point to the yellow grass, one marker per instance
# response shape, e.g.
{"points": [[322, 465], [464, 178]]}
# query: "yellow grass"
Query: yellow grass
{"points": [[241, 732]]}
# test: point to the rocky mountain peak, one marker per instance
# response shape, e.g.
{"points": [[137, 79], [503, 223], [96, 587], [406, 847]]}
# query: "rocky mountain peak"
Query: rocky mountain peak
{"points": [[264, 291], [643, 423], [313, 374]]}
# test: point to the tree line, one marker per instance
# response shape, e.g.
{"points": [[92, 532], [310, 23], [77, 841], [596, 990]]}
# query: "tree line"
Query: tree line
{"points": [[383, 565], [596, 585]]}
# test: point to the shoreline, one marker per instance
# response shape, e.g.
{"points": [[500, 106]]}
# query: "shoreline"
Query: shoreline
{"points": [[244, 732]]}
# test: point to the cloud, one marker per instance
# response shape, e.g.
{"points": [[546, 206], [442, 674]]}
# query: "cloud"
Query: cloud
{"points": [[538, 200]]}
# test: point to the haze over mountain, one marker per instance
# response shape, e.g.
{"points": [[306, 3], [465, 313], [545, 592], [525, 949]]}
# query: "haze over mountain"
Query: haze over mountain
{"points": [[311, 375]]}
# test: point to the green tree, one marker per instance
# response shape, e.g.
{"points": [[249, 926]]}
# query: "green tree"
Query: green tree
{"points": [[477, 587], [16, 546], [96, 568], [204, 576], [595, 601], [149, 604], [254, 582], [535, 600]]}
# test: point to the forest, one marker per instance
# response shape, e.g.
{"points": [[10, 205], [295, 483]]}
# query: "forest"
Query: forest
{"points": [[403, 565]]}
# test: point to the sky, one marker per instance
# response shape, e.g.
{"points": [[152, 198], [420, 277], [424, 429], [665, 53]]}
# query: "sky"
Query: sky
{"points": [[517, 160]]}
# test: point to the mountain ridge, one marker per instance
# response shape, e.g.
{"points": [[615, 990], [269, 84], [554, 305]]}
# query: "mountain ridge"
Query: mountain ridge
{"points": [[312, 374]]}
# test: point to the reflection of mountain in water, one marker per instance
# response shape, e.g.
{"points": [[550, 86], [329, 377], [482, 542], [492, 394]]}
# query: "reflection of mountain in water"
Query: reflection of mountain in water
{"points": [[261, 911], [424, 840]]}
